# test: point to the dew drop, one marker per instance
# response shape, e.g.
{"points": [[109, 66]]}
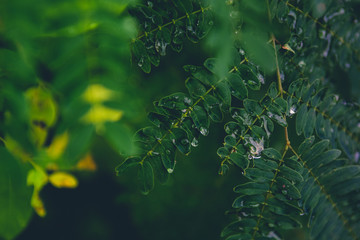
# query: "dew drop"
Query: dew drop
{"points": [[170, 170], [261, 78], [188, 101], [194, 142], [204, 131], [160, 46], [302, 64], [292, 110], [141, 62], [184, 141]]}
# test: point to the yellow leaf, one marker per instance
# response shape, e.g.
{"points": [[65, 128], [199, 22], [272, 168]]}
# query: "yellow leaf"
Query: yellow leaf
{"points": [[38, 178], [43, 109], [99, 114], [63, 180], [96, 93], [86, 163], [58, 145], [38, 204]]}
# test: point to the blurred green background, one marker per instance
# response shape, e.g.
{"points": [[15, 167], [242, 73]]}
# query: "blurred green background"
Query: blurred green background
{"points": [[191, 205]]}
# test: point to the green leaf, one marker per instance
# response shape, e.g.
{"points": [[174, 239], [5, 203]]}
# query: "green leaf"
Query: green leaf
{"points": [[295, 86], [287, 222], [282, 104], [234, 128], [252, 107], [290, 174], [301, 119], [258, 132], [275, 114], [259, 175], [272, 91], [224, 168], [239, 89], [234, 227], [282, 208], [272, 153], [212, 106], [146, 177], [252, 188], [324, 158], [306, 144], [310, 123], [230, 141], [265, 164], [141, 57], [159, 120], [294, 163], [287, 188], [315, 150], [195, 87], [198, 25], [159, 171], [239, 160], [248, 201], [210, 64], [15, 196], [346, 186], [223, 92], [241, 115], [181, 140], [339, 175], [178, 101], [223, 152], [202, 74], [125, 165], [201, 120], [185, 5], [167, 152], [147, 135]]}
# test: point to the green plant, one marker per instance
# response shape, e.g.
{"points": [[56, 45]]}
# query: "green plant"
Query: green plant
{"points": [[271, 80], [63, 79], [277, 79]]}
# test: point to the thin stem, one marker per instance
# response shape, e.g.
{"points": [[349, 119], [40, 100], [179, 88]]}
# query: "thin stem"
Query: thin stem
{"points": [[278, 72]]}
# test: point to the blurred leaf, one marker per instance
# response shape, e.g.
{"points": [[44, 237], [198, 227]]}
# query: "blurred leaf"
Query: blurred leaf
{"points": [[15, 196], [119, 136], [99, 114], [63, 180], [58, 145], [38, 178], [86, 163], [96, 93], [256, 45]]}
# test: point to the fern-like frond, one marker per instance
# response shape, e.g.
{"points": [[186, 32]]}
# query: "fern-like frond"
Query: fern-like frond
{"points": [[168, 24], [326, 191]]}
